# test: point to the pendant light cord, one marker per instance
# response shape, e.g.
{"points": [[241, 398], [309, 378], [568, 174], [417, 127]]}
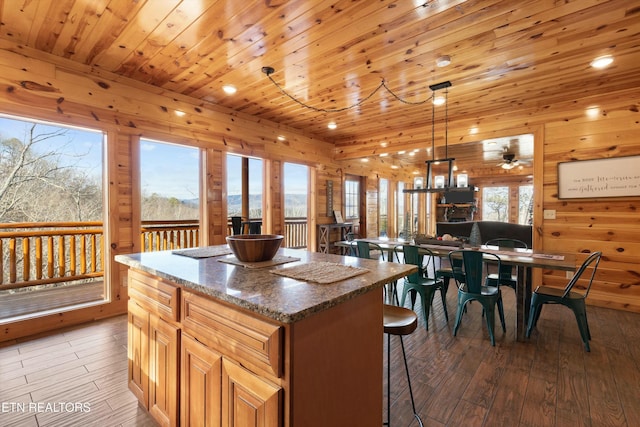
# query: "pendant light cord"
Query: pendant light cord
{"points": [[268, 71]]}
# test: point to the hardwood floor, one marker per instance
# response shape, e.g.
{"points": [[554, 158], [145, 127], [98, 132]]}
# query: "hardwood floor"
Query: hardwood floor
{"points": [[547, 381]]}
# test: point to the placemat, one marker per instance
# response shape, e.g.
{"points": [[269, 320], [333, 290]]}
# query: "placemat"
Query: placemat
{"points": [[321, 272], [276, 260], [206, 252]]}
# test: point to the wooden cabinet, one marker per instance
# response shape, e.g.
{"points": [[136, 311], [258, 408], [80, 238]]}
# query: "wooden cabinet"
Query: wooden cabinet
{"points": [[202, 362], [153, 346], [206, 362], [247, 399], [200, 384]]}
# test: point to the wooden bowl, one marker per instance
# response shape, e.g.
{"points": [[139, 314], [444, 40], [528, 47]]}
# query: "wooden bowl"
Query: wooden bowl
{"points": [[254, 247]]}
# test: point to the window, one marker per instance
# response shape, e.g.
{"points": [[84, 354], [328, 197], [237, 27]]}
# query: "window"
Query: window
{"points": [[235, 180], [383, 200], [495, 204], [51, 212], [296, 195], [352, 199], [525, 204], [169, 180], [170, 195], [402, 224]]}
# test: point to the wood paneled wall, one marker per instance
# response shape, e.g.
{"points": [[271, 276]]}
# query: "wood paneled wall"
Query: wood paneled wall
{"points": [[40, 86], [610, 225], [37, 85]]}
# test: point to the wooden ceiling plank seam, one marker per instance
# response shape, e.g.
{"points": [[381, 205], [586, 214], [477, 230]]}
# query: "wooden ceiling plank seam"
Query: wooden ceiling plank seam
{"points": [[205, 32], [210, 46], [149, 17], [203, 87], [113, 20], [18, 22], [172, 25], [300, 39], [80, 23], [51, 24]]}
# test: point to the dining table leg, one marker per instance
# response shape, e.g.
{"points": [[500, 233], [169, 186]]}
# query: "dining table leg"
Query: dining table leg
{"points": [[523, 301]]}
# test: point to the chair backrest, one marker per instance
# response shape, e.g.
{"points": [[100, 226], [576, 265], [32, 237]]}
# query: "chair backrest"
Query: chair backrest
{"points": [[591, 262], [365, 248], [351, 236], [236, 224], [506, 242], [473, 272], [417, 256], [506, 271]]}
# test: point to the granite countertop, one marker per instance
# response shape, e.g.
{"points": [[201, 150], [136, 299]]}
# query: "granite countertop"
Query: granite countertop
{"points": [[257, 289]]}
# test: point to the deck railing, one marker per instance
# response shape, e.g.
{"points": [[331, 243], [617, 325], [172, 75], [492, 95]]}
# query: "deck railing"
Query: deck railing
{"points": [[169, 235], [45, 253], [34, 254]]}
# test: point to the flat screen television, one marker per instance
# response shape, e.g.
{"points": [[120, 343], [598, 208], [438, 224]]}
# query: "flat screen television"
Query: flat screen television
{"points": [[459, 196]]}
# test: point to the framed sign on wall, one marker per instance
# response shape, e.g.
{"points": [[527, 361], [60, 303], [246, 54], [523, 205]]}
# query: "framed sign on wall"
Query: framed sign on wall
{"points": [[329, 198], [610, 177]]}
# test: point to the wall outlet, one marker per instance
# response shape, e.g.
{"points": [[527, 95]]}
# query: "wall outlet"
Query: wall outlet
{"points": [[549, 214]]}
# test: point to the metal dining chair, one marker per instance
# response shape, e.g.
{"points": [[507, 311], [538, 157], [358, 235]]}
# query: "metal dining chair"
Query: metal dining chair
{"points": [[575, 300], [505, 274], [471, 281], [424, 282]]}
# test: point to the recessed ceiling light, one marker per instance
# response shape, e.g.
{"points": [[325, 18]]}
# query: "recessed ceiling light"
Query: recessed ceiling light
{"points": [[443, 61], [602, 62], [593, 112], [332, 125], [229, 89]]}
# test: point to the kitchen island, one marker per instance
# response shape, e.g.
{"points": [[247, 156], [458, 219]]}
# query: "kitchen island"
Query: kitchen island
{"points": [[219, 343]]}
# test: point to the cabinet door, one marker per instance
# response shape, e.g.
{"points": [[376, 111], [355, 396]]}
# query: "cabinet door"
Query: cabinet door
{"points": [[200, 384], [138, 353], [163, 371], [248, 400]]}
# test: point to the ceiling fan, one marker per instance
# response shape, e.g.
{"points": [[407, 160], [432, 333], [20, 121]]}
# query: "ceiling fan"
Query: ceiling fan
{"points": [[509, 161]]}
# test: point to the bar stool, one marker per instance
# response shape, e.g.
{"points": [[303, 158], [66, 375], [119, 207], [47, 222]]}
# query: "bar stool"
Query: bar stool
{"points": [[398, 321]]}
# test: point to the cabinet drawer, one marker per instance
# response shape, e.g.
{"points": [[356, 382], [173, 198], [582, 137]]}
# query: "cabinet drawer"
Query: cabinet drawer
{"points": [[253, 342], [155, 295]]}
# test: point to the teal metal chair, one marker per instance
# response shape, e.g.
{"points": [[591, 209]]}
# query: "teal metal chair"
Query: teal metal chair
{"points": [[471, 281], [446, 274], [567, 297], [505, 274], [369, 250], [364, 249], [424, 282]]}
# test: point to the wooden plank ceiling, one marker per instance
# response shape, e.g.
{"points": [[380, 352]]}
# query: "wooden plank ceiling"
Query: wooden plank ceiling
{"points": [[505, 56]]}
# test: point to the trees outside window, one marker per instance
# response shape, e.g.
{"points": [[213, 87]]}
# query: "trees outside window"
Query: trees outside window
{"points": [[525, 204], [495, 204], [49, 173]]}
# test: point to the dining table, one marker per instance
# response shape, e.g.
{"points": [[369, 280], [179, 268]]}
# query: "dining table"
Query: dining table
{"points": [[525, 259]]}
